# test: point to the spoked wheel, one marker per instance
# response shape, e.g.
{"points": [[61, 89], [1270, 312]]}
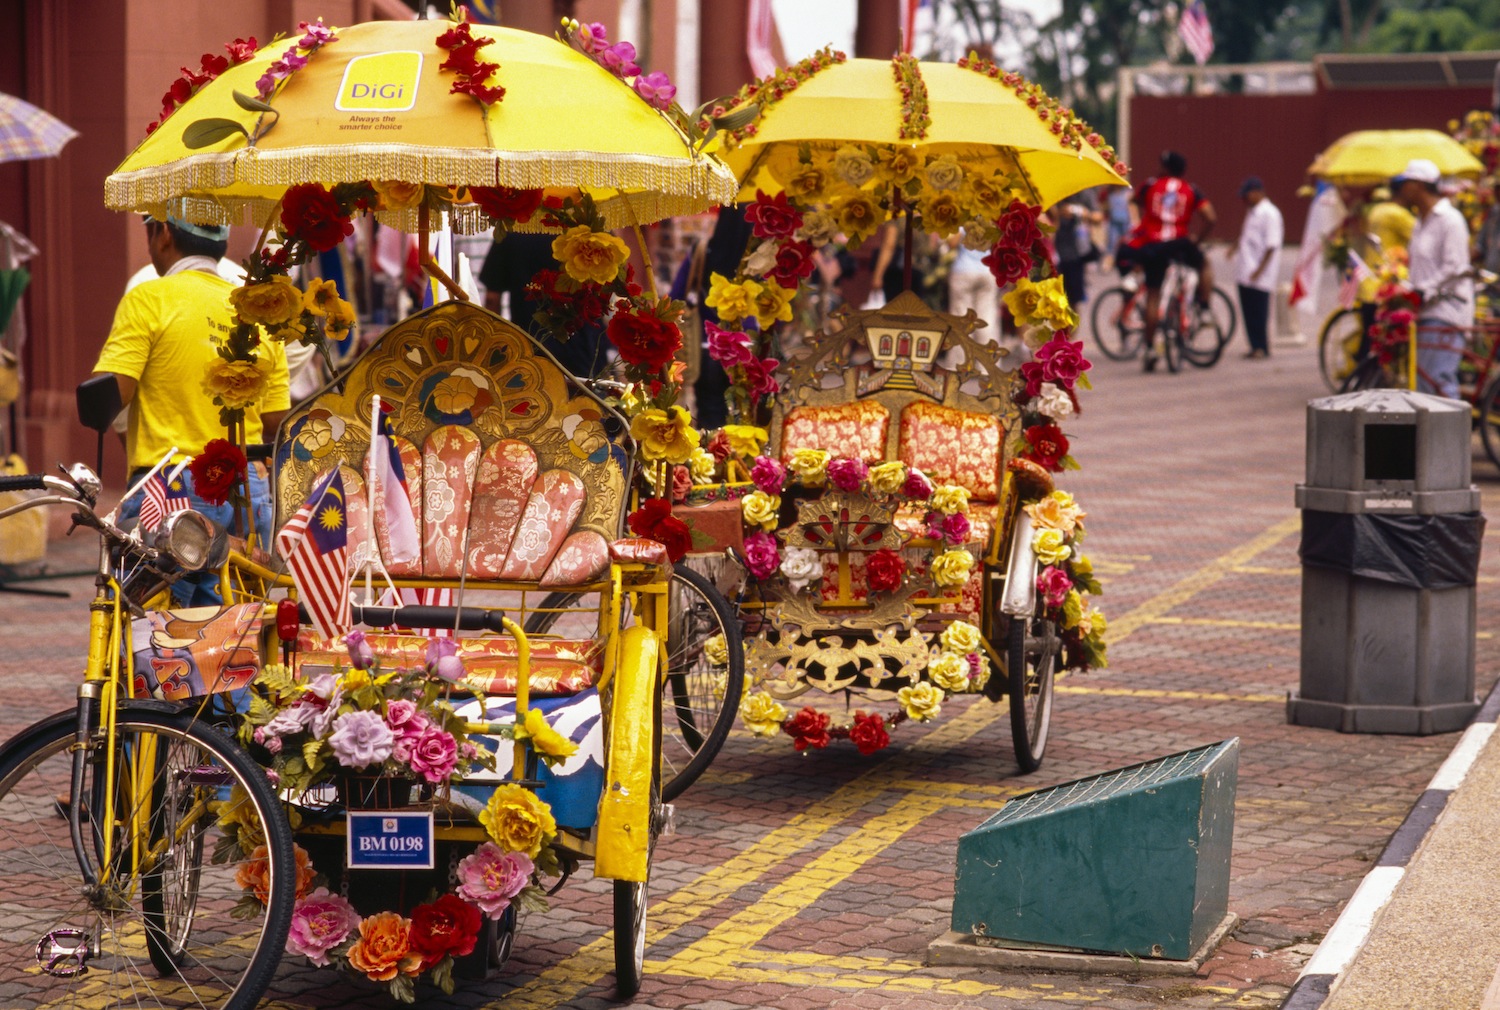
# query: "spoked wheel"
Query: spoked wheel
{"points": [[1171, 345], [705, 673], [630, 937], [1338, 346], [1226, 317], [167, 923], [1117, 323], [1204, 341], [1031, 664]]}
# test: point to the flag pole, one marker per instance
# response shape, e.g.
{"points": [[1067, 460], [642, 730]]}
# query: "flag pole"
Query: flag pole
{"points": [[370, 562]]}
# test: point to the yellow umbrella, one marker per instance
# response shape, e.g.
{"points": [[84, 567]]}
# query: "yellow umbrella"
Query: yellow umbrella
{"points": [[1370, 157], [374, 104], [986, 123]]}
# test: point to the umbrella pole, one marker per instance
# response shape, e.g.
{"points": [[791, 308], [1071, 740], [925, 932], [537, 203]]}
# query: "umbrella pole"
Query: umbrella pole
{"points": [[431, 265], [906, 252]]}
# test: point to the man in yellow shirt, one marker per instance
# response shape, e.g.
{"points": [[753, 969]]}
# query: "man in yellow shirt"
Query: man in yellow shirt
{"points": [[163, 338]]}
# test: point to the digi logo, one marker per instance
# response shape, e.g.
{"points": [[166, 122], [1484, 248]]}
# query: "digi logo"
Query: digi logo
{"points": [[380, 82]]}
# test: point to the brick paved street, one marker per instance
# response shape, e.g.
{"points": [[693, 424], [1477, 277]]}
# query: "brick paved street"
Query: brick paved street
{"points": [[818, 881]]}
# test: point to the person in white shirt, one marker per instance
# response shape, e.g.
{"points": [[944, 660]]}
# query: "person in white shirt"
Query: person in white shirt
{"points": [[1438, 268], [1258, 263]]}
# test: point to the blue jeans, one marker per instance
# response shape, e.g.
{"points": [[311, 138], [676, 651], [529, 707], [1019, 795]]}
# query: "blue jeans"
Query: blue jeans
{"points": [[1438, 356], [201, 589]]}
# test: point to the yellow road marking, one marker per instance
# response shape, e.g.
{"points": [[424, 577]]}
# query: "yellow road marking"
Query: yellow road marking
{"points": [[1142, 692], [1260, 570], [1216, 622], [1160, 605]]}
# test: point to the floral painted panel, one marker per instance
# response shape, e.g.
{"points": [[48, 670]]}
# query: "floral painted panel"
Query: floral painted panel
{"points": [[450, 461], [507, 471]]}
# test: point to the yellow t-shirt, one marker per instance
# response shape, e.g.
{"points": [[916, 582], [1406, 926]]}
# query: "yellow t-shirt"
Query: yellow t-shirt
{"points": [[1391, 223], [163, 338]]}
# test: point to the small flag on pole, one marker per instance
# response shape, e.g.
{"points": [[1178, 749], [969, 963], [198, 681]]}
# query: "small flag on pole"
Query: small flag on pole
{"points": [[163, 495], [394, 494], [1196, 33], [1356, 272], [315, 543]]}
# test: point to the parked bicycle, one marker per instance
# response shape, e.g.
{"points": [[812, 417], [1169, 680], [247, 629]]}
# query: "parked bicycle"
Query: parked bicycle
{"points": [[1191, 333]]}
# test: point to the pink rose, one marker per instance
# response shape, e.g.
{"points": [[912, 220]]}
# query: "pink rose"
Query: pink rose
{"points": [[917, 485], [399, 712], [952, 528], [407, 737], [762, 557], [490, 878], [1053, 584], [768, 474], [435, 755], [320, 922], [1062, 361], [727, 347], [760, 375], [847, 474], [682, 483]]}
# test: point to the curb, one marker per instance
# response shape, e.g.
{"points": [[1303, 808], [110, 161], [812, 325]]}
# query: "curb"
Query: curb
{"points": [[1347, 938]]}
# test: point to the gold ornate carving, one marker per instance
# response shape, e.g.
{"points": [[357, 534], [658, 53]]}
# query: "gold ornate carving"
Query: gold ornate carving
{"points": [[843, 522]]}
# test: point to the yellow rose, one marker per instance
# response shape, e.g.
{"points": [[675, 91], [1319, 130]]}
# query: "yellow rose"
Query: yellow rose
{"points": [[1052, 305], [944, 173], [899, 165], [665, 434], [887, 478], [941, 214], [810, 466], [355, 680], [853, 165], [1023, 300], [745, 439], [921, 701], [1098, 625], [1049, 546], [340, 319], [960, 637], [716, 650], [398, 195], [773, 304], [949, 672], [732, 301], [589, 255], [951, 568], [517, 820], [983, 198], [1051, 514], [236, 384], [550, 745], [1082, 566], [806, 183], [857, 217], [760, 509], [763, 715], [701, 464], [1072, 609], [275, 302], [950, 499], [454, 395]]}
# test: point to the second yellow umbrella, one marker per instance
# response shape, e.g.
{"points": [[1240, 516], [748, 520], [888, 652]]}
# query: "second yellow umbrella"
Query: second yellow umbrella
{"points": [[1370, 157]]}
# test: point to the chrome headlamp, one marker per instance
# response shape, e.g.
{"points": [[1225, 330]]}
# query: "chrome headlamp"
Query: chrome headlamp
{"points": [[193, 540]]}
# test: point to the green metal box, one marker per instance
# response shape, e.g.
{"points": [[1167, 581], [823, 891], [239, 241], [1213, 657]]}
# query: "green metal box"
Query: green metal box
{"points": [[1133, 861]]}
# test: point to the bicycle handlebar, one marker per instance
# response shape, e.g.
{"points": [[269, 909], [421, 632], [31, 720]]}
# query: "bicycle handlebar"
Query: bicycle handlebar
{"points": [[23, 482]]}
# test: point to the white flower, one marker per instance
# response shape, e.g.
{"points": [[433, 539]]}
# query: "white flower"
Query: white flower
{"points": [[1053, 401], [761, 260], [818, 228], [1035, 336], [800, 566]]}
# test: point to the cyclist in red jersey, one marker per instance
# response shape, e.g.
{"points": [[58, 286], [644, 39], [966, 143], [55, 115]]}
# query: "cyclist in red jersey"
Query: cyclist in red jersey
{"points": [[1171, 207]]}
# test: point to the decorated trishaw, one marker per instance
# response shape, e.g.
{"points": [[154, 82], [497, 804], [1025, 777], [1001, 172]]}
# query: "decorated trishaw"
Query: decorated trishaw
{"points": [[444, 753], [903, 540]]}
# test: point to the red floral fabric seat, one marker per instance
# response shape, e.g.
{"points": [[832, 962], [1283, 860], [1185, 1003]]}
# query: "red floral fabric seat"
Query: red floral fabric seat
{"points": [[856, 430], [953, 446]]}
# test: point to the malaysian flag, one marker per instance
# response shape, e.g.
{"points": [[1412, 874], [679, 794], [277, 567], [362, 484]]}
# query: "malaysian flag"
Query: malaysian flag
{"points": [[393, 493], [315, 543], [163, 495], [1356, 272], [760, 27], [1195, 31]]}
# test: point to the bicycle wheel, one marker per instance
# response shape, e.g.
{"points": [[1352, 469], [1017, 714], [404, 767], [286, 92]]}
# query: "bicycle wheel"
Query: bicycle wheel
{"points": [[1221, 306], [1031, 661], [1204, 341], [1489, 421], [163, 927], [701, 697], [1338, 346], [1171, 341], [1368, 374], [1117, 323]]}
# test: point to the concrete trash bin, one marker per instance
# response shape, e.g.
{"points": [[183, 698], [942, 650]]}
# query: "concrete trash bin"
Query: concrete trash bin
{"points": [[1391, 532]]}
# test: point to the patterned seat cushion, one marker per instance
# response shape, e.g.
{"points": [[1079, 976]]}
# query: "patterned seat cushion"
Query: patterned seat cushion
{"points": [[558, 666], [953, 447], [856, 430], [983, 517]]}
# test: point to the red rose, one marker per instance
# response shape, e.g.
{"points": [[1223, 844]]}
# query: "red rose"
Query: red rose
{"points": [[644, 339], [1048, 446], [505, 204], [310, 213], [808, 728], [772, 216], [654, 520], [1062, 360], [1018, 225], [216, 470], [718, 447], [1007, 263], [682, 483], [885, 570], [868, 733], [794, 263], [449, 925], [241, 50]]}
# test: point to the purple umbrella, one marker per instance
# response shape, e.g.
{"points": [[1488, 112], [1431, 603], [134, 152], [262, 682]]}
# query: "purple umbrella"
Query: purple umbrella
{"points": [[27, 132]]}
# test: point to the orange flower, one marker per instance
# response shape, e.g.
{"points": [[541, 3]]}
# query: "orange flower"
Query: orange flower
{"points": [[383, 949], [254, 874]]}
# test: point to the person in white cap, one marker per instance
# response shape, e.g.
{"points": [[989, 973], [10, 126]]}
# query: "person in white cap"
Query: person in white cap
{"points": [[162, 339], [1439, 271]]}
